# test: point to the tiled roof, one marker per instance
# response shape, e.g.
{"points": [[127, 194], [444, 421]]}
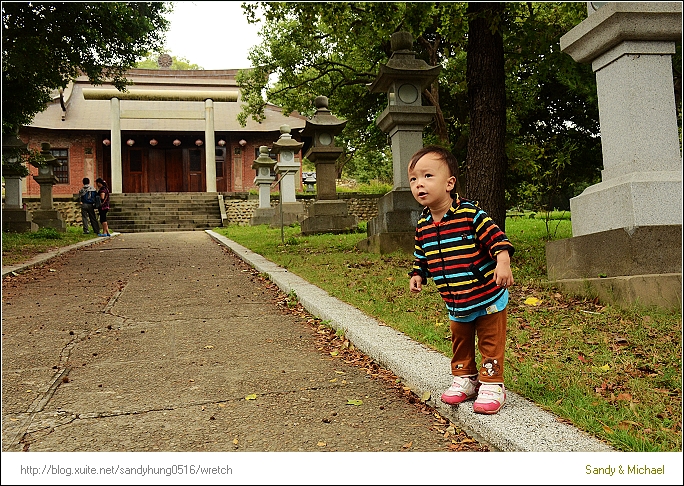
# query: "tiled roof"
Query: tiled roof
{"points": [[82, 114]]}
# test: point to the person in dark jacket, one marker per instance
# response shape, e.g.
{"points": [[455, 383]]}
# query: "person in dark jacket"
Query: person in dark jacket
{"points": [[87, 197], [468, 257]]}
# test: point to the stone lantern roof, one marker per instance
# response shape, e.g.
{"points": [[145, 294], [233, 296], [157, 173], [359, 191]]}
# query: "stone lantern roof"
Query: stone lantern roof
{"points": [[323, 119], [403, 65]]}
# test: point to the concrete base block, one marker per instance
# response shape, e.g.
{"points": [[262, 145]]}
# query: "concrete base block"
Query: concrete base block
{"points": [[262, 216], [384, 243], [49, 218], [291, 213], [329, 224], [621, 266], [18, 221], [662, 290], [640, 251]]}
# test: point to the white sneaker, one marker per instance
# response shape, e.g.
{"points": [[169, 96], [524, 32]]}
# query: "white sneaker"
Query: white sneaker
{"points": [[490, 398], [462, 388]]}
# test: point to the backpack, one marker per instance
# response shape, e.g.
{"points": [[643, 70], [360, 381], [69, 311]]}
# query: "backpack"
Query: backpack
{"points": [[98, 201], [89, 197]]}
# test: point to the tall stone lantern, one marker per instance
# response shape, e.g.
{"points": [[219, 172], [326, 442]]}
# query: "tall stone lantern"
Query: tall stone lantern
{"points": [[626, 243], [327, 214], [290, 211], [263, 166], [47, 216], [403, 78], [14, 217]]}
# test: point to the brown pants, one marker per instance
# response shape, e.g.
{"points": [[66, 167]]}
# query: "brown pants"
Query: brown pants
{"points": [[491, 341]]}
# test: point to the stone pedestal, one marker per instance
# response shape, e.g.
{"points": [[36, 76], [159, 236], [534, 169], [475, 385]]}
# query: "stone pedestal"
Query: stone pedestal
{"points": [[629, 46], [49, 218], [17, 221], [394, 228], [328, 216]]}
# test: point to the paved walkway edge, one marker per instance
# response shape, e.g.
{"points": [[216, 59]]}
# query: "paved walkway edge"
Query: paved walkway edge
{"points": [[521, 426]]}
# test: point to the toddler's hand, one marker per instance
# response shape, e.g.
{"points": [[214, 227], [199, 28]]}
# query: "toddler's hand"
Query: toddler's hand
{"points": [[416, 283]]}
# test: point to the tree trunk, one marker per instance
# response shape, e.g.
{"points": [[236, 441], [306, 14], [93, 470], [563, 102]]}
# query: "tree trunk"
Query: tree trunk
{"points": [[486, 161]]}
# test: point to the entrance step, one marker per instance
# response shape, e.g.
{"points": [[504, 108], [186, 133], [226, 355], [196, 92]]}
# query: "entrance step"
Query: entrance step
{"points": [[164, 211]]}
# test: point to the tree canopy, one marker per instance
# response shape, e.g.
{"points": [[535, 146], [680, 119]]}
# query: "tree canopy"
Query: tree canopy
{"points": [[551, 142], [46, 44]]}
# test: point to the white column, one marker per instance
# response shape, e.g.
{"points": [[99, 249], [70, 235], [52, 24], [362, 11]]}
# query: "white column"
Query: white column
{"points": [[210, 145], [116, 184]]}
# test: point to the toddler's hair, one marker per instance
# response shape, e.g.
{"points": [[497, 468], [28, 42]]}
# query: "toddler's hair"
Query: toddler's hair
{"points": [[442, 153]]}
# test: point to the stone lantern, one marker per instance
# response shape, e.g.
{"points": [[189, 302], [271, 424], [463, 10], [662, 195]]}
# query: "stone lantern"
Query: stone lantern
{"points": [[327, 214], [403, 79], [287, 167], [263, 166], [47, 216], [14, 217]]}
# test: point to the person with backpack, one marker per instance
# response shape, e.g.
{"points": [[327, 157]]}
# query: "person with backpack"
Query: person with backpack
{"points": [[87, 195], [103, 193]]}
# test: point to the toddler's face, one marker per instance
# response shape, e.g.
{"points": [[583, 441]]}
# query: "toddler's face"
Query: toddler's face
{"points": [[430, 181]]}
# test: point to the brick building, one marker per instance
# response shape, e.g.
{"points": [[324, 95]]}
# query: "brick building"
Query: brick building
{"points": [[172, 131]]}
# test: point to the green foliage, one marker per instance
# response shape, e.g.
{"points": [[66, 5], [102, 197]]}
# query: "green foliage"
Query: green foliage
{"points": [[553, 147], [45, 45]]}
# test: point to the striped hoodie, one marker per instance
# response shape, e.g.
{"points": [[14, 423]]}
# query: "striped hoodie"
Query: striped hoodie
{"points": [[459, 253]]}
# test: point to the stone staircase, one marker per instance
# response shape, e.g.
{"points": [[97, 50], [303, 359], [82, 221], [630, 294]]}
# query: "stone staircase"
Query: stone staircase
{"points": [[164, 211]]}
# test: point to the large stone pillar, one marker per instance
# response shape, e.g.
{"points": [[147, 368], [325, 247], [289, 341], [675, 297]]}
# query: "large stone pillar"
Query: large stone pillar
{"points": [[14, 217], [618, 223], [210, 145], [117, 167], [403, 78]]}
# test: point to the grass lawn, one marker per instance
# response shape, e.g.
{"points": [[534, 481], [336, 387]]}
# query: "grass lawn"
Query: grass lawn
{"points": [[615, 373]]}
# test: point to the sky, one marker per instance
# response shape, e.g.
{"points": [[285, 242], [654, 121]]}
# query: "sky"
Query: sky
{"points": [[214, 35]]}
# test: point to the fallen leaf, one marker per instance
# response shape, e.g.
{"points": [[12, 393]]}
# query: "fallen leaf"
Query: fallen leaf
{"points": [[321, 444], [251, 397], [624, 396], [425, 396], [582, 358], [339, 372], [407, 446], [333, 353], [208, 346], [354, 402], [235, 441], [532, 301], [605, 367], [333, 380]]}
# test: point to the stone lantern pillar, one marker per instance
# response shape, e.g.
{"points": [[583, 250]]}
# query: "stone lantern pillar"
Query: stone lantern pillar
{"points": [[627, 229], [327, 214], [14, 217], [47, 216], [403, 78], [290, 211], [263, 165]]}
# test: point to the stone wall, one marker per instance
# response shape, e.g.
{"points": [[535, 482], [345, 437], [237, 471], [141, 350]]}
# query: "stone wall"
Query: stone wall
{"points": [[239, 208]]}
